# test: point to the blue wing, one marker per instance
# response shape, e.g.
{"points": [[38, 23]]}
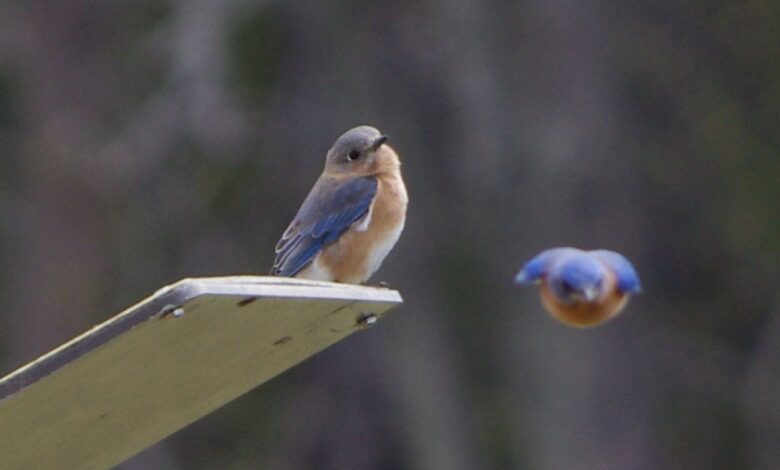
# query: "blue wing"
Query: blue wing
{"points": [[328, 211], [536, 268], [627, 278]]}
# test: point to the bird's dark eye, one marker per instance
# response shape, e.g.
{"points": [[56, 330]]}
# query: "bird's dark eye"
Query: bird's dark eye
{"points": [[567, 288], [353, 154]]}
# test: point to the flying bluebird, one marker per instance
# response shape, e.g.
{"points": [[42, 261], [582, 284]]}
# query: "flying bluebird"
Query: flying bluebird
{"points": [[352, 216], [581, 288]]}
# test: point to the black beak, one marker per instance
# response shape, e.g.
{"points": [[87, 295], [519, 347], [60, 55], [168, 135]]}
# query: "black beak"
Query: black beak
{"points": [[379, 141]]}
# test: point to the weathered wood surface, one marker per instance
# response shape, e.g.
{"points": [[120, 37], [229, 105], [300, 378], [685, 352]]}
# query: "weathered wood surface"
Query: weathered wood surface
{"points": [[167, 361]]}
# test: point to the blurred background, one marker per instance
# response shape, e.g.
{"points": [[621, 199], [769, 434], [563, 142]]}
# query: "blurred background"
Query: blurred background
{"points": [[146, 141]]}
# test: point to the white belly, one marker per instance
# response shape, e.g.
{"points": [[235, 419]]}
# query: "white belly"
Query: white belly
{"points": [[381, 248], [315, 271]]}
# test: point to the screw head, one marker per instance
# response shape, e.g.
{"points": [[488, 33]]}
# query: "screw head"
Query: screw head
{"points": [[367, 319]]}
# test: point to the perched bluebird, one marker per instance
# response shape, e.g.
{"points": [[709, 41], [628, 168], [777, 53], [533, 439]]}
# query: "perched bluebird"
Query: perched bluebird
{"points": [[581, 288], [352, 216]]}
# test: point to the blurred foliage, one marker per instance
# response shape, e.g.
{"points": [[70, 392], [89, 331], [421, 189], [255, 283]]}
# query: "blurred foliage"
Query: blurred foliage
{"points": [[257, 44]]}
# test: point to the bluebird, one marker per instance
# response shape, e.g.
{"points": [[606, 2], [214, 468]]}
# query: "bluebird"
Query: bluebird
{"points": [[351, 218], [581, 288]]}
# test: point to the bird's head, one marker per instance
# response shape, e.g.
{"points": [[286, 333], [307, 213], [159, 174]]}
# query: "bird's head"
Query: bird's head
{"points": [[361, 152], [578, 278]]}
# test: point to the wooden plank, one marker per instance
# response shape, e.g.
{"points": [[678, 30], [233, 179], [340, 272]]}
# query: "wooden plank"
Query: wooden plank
{"points": [[167, 361]]}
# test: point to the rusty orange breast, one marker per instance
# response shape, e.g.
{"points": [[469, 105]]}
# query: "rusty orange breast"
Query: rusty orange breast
{"points": [[583, 314], [359, 252]]}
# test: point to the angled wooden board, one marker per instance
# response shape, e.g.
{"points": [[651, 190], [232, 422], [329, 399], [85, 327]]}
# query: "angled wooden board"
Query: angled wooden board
{"points": [[167, 361]]}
